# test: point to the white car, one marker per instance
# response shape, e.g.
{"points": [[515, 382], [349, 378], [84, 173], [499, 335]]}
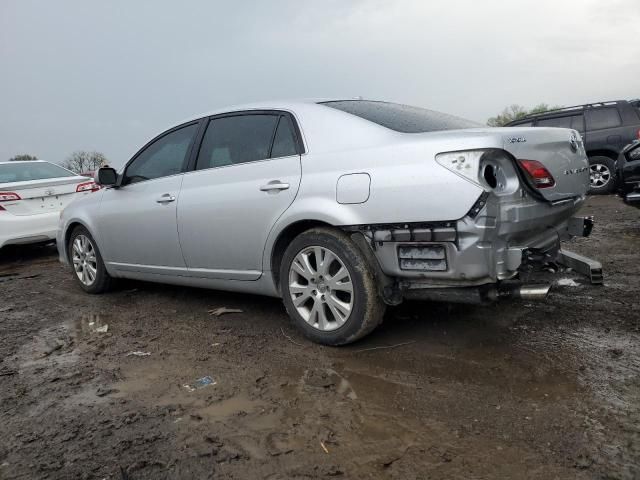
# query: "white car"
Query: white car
{"points": [[32, 195], [338, 207]]}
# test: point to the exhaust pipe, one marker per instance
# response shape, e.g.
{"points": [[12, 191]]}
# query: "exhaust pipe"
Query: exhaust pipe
{"points": [[531, 292]]}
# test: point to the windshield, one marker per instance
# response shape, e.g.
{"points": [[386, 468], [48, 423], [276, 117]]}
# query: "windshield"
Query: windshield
{"points": [[25, 171], [401, 118]]}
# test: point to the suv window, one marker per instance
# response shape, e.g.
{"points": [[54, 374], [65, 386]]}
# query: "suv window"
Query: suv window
{"points": [[236, 139], [284, 143], [603, 118], [401, 118], [558, 122], [166, 156], [577, 123]]}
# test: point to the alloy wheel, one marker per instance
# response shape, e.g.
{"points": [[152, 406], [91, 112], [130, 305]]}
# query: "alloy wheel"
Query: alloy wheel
{"points": [[85, 263], [321, 288], [599, 175]]}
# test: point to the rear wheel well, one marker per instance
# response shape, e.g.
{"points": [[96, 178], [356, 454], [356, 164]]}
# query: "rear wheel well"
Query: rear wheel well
{"points": [[603, 153], [283, 241]]}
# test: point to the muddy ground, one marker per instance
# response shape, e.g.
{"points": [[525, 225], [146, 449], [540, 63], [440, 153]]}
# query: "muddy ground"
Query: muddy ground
{"points": [[518, 390]]}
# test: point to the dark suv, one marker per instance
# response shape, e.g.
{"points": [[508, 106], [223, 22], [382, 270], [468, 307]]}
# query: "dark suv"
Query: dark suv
{"points": [[605, 127]]}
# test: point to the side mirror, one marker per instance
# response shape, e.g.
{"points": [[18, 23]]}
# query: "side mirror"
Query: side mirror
{"points": [[107, 176]]}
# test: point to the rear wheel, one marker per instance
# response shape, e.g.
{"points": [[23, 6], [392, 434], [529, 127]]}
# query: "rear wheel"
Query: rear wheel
{"points": [[86, 262], [602, 175], [328, 288]]}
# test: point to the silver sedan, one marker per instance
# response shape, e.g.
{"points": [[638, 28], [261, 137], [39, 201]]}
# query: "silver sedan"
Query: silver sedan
{"points": [[339, 207]]}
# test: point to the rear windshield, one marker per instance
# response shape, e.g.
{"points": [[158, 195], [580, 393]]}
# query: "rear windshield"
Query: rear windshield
{"points": [[401, 118], [25, 171]]}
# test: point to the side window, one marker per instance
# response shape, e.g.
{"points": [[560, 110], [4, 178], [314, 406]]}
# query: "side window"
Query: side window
{"points": [[558, 122], [603, 118], [164, 157], [284, 143], [236, 139], [577, 123]]}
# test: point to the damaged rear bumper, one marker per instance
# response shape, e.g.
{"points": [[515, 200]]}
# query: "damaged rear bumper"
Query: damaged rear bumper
{"points": [[481, 257]]}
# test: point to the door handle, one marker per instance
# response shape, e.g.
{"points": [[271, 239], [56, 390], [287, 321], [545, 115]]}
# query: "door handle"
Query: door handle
{"points": [[274, 185], [166, 198]]}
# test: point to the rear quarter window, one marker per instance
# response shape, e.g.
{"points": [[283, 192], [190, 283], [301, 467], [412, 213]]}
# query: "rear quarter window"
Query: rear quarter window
{"points": [[401, 118]]}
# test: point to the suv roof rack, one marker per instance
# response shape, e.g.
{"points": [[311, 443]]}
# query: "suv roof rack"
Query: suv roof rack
{"points": [[574, 107]]}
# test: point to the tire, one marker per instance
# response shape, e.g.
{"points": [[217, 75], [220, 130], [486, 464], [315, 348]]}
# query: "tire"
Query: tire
{"points": [[602, 175], [88, 270], [326, 286]]}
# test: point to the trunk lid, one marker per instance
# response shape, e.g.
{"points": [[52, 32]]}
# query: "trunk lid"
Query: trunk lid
{"points": [[41, 196], [562, 153]]}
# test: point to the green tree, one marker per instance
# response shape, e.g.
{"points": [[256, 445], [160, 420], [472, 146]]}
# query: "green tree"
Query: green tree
{"points": [[22, 157], [81, 161], [516, 112]]}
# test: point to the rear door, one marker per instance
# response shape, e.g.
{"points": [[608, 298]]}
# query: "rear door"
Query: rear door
{"points": [[137, 224], [603, 125], [246, 175]]}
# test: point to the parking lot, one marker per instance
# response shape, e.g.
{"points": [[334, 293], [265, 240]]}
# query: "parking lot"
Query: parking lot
{"points": [[107, 386]]}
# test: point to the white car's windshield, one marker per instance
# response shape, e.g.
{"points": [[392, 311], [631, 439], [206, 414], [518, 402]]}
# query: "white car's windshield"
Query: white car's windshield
{"points": [[402, 118], [26, 171]]}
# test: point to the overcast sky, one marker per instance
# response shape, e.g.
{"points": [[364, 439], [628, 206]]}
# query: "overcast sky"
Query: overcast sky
{"points": [[107, 76]]}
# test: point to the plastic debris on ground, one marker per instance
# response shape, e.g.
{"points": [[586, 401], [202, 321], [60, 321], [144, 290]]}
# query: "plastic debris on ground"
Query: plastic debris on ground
{"points": [[92, 323], [200, 383], [567, 282], [138, 354], [222, 310]]}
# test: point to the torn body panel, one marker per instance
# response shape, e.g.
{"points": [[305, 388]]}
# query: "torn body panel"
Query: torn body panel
{"points": [[474, 256]]}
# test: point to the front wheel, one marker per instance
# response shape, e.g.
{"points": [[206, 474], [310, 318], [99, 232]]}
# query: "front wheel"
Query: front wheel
{"points": [[602, 175], [328, 288], [86, 262]]}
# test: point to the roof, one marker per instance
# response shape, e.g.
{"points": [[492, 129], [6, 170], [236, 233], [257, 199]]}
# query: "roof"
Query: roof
{"points": [[13, 162], [288, 105], [570, 109]]}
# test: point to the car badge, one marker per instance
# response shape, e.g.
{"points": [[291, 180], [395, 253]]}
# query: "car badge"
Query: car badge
{"points": [[573, 142]]}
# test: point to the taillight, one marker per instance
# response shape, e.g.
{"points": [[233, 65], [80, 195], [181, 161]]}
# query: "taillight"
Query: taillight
{"points": [[538, 173], [88, 187], [638, 134], [491, 169], [9, 197]]}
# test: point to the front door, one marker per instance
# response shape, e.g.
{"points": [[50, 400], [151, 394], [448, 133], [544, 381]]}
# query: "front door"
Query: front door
{"points": [[247, 174], [138, 219]]}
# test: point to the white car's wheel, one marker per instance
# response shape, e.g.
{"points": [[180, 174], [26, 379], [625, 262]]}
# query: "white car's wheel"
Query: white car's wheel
{"points": [[328, 288]]}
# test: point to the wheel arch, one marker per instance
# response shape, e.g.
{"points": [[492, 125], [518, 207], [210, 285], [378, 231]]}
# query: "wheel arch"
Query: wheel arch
{"points": [[68, 230], [612, 154], [284, 239]]}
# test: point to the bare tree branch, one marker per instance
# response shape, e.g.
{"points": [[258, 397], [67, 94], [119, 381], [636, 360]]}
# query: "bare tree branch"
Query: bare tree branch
{"points": [[81, 161]]}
